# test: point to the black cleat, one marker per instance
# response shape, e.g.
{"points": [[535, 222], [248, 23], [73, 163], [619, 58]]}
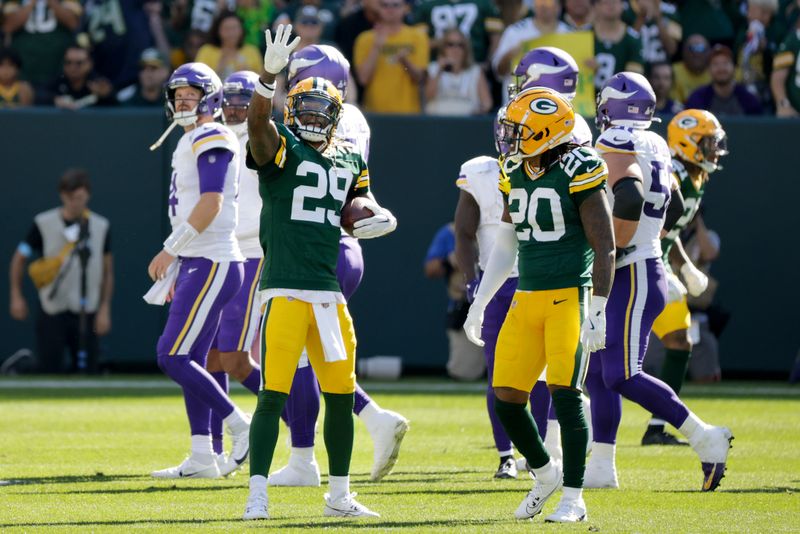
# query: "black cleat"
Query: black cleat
{"points": [[657, 436], [507, 469]]}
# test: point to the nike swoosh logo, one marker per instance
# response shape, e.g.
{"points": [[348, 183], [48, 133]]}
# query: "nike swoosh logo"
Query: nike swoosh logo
{"points": [[559, 301], [190, 271]]}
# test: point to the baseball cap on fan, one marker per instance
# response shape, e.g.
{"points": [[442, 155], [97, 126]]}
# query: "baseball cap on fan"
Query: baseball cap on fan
{"points": [[152, 57], [308, 15]]}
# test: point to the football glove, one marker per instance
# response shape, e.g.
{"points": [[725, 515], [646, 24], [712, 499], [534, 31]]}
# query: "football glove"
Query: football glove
{"points": [[474, 323], [675, 288], [593, 329], [696, 280], [277, 55], [380, 224]]}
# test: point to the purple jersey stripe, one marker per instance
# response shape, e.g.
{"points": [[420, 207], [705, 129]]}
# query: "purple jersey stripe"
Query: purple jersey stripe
{"points": [[209, 133]]}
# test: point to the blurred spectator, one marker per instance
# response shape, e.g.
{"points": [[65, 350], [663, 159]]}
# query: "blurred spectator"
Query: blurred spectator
{"points": [[713, 19], [785, 82], [390, 62], [617, 47], [466, 361], [756, 44], [197, 14], [255, 16], [226, 52], [456, 85], [479, 19], [659, 27], [692, 72], [512, 11], [328, 14], [149, 91], [13, 91], [578, 14], [515, 40], [41, 30], [660, 76], [70, 241], [351, 26], [308, 25], [119, 30], [724, 96], [78, 86], [195, 39]]}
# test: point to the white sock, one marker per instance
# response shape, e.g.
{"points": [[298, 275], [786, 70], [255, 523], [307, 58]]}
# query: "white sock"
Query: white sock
{"points": [[371, 416], [339, 487], [503, 454], [258, 484], [603, 452], [552, 440], [654, 421], [571, 494], [693, 428], [547, 473], [236, 421], [202, 449], [305, 454]]}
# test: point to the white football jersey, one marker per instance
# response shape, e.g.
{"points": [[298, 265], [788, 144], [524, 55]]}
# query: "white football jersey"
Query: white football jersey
{"points": [[653, 156], [249, 205], [353, 128], [218, 241], [581, 133], [480, 178]]}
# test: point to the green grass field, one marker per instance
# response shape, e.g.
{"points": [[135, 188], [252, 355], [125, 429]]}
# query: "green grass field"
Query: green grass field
{"points": [[77, 459]]}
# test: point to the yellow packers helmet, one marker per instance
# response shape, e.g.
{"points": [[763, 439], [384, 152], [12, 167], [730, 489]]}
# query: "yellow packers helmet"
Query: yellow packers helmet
{"points": [[696, 136], [535, 120], [312, 110]]}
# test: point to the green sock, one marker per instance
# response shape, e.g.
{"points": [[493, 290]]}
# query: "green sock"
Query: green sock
{"points": [[338, 432], [574, 434], [264, 430], [521, 428], [673, 372]]}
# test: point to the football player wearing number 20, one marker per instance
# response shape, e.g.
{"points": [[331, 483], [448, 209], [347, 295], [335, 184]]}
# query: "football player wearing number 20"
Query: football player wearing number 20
{"points": [[305, 176], [558, 221], [639, 192]]}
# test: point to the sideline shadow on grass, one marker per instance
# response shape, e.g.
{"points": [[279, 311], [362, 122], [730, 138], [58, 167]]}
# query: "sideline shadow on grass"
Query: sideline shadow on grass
{"points": [[378, 524], [773, 489], [149, 489], [70, 479], [273, 523]]}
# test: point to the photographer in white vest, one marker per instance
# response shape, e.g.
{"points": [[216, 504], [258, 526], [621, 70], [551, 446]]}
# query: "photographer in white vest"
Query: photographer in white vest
{"points": [[72, 268]]}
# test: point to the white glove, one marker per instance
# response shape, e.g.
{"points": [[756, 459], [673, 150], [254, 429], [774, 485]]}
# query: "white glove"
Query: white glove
{"points": [[474, 323], [381, 223], [696, 280], [277, 55], [675, 288], [593, 329]]}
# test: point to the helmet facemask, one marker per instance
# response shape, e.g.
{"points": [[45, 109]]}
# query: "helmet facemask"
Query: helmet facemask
{"points": [[185, 118], [313, 116], [234, 111], [711, 148]]}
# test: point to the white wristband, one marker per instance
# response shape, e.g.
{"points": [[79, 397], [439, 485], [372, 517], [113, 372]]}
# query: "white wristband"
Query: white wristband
{"points": [[265, 90], [179, 239]]}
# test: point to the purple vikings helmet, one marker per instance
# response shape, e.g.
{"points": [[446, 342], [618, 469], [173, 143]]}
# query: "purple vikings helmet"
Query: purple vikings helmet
{"points": [[626, 100], [499, 133], [200, 76], [238, 88], [549, 67], [319, 61]]}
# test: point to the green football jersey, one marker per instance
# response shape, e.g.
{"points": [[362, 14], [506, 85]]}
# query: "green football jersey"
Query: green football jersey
{"points": [[474, 18], [302, 192], [788, 57], [691, 203], [612, 58], [553, 250]]}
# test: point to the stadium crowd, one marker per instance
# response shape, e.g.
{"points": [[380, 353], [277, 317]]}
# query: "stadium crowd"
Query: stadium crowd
{"points": [[445, 57]]}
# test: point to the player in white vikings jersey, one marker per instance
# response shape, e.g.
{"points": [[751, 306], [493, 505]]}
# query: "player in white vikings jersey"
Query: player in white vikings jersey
{"points": [[639, 181], [386, 427], [203, 212]]}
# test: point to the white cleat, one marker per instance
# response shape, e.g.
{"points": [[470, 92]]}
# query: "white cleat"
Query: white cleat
{"points": [[189, 468], [713, 448], [568, 512], [386, 438], [296, 473], [347, 506], [600, 474], [226, 465], [241, 445], [256, 507], [534, 501]]}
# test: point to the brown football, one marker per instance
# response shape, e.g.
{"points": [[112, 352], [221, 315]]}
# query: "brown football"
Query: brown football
{"points": [[355, 209]]}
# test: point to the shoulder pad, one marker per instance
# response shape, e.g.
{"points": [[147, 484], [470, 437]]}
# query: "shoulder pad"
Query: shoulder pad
{"points": [[480, 165], [616, 139], [212, 135], [585, 168]]}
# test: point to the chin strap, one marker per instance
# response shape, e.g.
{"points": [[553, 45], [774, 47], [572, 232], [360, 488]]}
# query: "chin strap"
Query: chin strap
{"points": [[163, 136]]}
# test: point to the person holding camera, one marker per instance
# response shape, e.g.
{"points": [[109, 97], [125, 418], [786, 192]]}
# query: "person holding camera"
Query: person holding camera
{"points": [[456, 85], [74, 277]]}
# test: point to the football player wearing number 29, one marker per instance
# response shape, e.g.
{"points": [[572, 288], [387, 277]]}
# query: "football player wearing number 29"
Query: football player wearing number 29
{"points": [[639, 192], [557, 219], [305, 176]]}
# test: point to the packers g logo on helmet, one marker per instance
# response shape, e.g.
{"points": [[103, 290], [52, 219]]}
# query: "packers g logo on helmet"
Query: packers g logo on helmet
{"points": [[687, 122], [695, 136], [312, 110], [536, 120]]}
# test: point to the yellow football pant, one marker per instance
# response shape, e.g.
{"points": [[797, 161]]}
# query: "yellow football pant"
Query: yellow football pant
{"points": [[542, 328], [674, 317], [289, 326]]}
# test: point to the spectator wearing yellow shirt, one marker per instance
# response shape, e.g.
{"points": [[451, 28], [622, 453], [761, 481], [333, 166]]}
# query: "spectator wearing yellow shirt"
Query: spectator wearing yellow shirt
{"points": [[226, 52], [390, 61], [692, 72]]}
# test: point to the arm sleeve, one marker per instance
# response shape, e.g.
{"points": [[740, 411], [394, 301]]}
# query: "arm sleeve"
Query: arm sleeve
{"points": [[212, 165], [500, 264]]}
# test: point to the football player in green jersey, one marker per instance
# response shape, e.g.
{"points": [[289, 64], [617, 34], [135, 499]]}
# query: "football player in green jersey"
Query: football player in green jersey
{"points": [[697, 141], [305, 176], [558, 220]]}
